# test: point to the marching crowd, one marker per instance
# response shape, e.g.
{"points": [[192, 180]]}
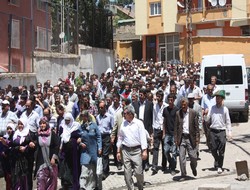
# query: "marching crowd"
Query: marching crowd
{"points": [[62, 130]]}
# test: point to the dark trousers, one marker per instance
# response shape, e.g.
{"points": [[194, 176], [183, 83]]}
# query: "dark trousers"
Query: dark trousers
{"points": [[218, 145], [207, 134], [106, 145], [117, 163], [30, 171], [157, 141]]}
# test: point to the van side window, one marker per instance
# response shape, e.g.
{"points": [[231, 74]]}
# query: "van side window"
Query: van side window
{"points": [[228, 75]]}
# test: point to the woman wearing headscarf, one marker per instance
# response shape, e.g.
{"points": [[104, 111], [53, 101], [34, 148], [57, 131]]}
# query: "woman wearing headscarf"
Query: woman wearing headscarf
{"points": [[70, 165], [90, 144], [4, 154], [21, 146], [46, 169]]}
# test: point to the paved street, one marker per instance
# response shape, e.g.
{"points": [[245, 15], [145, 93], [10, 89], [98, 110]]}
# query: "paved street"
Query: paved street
{"points": [[238, 149]]}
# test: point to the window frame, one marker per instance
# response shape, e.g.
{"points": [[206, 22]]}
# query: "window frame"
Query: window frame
{"points": [[15, 34], [156, 8], [14, 2], [43, 45], [171, 44], [40, 4]]}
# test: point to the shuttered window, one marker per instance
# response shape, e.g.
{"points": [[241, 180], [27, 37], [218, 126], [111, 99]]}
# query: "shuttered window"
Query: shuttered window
{"points": [[15, 34]]}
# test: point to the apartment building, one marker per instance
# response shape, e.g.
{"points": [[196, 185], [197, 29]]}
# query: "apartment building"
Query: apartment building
{"points": [[217, 27], [24, 27]]}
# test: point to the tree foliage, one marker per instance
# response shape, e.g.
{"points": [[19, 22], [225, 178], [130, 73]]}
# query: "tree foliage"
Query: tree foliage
{"points": [[93, 28]]}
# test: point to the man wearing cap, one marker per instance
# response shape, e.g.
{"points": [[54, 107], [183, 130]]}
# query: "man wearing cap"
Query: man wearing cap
{"points": [[219, 120], [7, 116]]}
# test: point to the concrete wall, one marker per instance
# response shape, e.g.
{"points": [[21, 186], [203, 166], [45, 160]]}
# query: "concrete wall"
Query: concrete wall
{"points": [[56, 65], [17, 79], [217, 45], [52, 66]]}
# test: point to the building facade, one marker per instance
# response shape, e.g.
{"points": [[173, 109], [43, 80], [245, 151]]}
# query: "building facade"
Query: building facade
{"points": [[24, 27], [216, 27]]}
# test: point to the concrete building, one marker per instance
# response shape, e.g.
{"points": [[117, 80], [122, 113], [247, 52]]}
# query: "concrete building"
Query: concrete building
{"points": [[24, 27], [126, 43], [218, 27]]}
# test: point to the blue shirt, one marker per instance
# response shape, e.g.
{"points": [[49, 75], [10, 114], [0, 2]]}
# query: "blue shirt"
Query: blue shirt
{"points": [[105, 123]]}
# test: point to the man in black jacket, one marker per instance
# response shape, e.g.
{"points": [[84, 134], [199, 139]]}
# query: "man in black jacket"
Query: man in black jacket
{"points": [[144, 111]]}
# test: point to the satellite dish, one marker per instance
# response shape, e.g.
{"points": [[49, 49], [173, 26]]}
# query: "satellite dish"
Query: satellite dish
{"points": [[61, 36], [222, 2], [180, 4], [214, 3]]}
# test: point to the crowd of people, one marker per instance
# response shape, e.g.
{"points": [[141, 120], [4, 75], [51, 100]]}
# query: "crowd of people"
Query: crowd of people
{"points": [[129, 112]]}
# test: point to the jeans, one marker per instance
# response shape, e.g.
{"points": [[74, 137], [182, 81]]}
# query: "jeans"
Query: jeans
{"points": [[170, 151]]}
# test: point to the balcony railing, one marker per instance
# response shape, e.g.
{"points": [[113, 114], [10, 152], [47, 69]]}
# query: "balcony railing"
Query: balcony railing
{"points": [[200, 9]]}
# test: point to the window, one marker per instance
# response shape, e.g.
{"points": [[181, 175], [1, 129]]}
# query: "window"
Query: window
{"points": [[42, 39], [151, 48], [210, 32], [225, 75], [155, 8], [245, 30], [200, 5], [41, 5], [15, 34], [171, 45], [14, 2]]}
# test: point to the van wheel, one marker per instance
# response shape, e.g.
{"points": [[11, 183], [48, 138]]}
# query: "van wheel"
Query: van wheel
{"points": [[244, 116]]}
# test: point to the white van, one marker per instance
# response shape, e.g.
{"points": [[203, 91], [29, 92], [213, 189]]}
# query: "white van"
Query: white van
{"points": [[231, 75]]}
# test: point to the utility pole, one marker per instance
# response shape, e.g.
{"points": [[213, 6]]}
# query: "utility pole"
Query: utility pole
{"points": [[189, 30]]}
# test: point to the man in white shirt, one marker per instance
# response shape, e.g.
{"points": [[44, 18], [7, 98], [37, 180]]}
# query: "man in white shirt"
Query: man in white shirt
{"points": [[158, 131], [132, 142], [220, 121], [195, 90]]}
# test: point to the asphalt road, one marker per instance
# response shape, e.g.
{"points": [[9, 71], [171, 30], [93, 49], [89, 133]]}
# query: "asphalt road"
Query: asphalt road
{"points": [[237, 149]]}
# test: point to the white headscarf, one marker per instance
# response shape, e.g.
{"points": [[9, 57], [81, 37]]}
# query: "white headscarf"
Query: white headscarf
{"points": [[68, 129], [22, 134], [12, 126]]}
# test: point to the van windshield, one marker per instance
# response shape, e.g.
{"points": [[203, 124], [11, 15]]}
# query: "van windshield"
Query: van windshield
{"points": [[227, 75]]}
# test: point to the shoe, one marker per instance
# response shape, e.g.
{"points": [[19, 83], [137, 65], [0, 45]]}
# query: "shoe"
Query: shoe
{"points": [[146, 167], [194, 172], [104, 176], [119, 167], [183, 178], [172, 172], [219, 171], [154, 170]]}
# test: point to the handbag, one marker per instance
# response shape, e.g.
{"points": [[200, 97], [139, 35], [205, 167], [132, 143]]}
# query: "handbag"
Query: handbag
{"points": [[99, 166]]}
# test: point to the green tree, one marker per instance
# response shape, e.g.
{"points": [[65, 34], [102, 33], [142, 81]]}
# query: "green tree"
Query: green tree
{"points": [[93, 27]]}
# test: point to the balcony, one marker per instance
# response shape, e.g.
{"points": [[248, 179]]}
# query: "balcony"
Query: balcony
{"points": [[209, 14]]}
